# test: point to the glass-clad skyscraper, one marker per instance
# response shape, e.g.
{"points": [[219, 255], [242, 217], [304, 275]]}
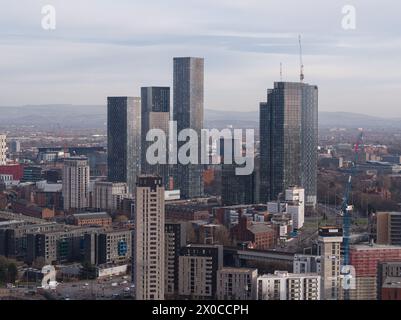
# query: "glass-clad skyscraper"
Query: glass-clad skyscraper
{"points": [[155, 115], [124, 140], [188, 112], [289, 140]]}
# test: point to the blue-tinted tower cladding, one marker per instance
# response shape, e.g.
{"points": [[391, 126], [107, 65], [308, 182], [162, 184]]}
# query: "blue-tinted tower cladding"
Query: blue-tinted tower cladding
{"points": [[188, 112], [124, 140], [289, 140]]}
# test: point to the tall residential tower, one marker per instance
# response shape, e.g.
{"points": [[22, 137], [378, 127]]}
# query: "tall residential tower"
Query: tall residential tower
{"points": [[155, 115], [188, 112], [149, 256], [75, 187], [289, 140], [124, 140]]}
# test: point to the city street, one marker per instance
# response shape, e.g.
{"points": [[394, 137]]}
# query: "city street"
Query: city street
{"points": [[108, 288]]}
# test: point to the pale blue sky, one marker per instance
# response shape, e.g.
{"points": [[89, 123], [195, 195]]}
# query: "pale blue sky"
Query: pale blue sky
{"points": [[105, 47]]}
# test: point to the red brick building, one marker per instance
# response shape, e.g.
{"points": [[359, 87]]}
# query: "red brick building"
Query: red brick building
{"points": [[30, 209], [101, 219], [260, 235], [186, 212], [391, 289], [16, 170], [365, 259]]}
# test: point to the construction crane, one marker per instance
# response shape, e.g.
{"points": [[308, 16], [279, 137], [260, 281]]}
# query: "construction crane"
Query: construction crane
{"points": [[346, 208], [301, 74]]}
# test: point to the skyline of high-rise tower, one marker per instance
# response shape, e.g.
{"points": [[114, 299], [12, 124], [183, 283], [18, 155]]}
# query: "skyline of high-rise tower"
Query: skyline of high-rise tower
{"points": [[149, 250], [124, 140], [188, 111], [288, 140], [75, 186], [155, 114]]}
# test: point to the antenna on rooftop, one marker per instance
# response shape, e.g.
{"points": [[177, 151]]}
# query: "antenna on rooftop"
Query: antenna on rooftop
{"points": [[301, 75]]}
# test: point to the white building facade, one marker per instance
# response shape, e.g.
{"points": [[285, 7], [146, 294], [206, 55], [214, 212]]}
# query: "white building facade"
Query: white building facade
{"points": [[75, 187], [289, 286]]}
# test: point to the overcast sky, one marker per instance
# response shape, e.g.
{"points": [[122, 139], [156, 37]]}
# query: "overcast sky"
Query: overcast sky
{"points": [[103, 47]]}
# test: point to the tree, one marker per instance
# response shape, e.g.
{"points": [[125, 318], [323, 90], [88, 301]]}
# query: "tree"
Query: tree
{"points": [[8, 270], [121, 219], [12, 272]]}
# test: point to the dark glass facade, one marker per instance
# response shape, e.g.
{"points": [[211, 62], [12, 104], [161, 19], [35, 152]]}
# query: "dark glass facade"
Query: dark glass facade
{"points": [[155, 115], [124, 140], [235, 189], [288, 140], [188, 112]]}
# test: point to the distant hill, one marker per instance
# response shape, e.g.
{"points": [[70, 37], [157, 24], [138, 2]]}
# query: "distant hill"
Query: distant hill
{"points": [[72, 116], [356, 120], [94, 116]]}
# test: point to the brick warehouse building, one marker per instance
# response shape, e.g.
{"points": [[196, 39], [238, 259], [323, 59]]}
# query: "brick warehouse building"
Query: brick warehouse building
{"points": [[366, 259], [16, 170]]}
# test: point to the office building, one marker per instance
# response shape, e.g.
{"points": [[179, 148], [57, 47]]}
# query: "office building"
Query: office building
{"points": [[188, 113], [288, 140], [198, 266], [149, 245], [32, 174], [237, 284], [289, 286], [13, 235], [330, 240], [108, 247], [389, 228], [75, 188], [155, 115], [57, 246], [124, 140], [175, 239], [15, 146], [235, 189]]}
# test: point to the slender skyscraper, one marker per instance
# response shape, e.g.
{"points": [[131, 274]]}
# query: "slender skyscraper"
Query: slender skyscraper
{"points": [[155, 115], [288, 140], [3, 149], [76, 183], [149, 256], [124, 140], [188, 112]]}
